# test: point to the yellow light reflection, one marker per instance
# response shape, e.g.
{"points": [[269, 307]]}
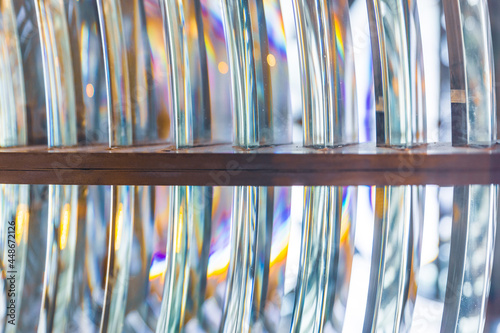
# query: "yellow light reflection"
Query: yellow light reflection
{"points": [[215, 200], [223, 67], [380, 202], [22, 218], [178, 238], [64, 231], [338, 32], [271, 60], [345, 231], [90, 90], [153, 275], [219, 271], [280, 256], [118, 227], [193, 28]]}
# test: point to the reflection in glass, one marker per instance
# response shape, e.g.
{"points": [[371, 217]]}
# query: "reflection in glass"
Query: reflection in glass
{"points": [[254, 268], [187, 258], [210, 310], [141, 305], [62, 232], [273, 245], [395, 258], [120, 231], [32, 291], [327, 67], [398, 72], [91, 257], [471, 72], [471, 257], [323, 284], [178, 263], [14, 212], [241, 280]]}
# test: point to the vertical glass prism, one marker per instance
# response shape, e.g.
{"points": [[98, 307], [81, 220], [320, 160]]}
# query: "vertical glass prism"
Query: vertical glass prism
{"points": [[398, 73], [140, 71], [72, 62], [261, 114], [31, 58], [116, 66], [470, 50], [494, 10], [88, 70], [131, 74], [473, 100], [13, 122], [327, 73], [58, 73], [186, 53]]}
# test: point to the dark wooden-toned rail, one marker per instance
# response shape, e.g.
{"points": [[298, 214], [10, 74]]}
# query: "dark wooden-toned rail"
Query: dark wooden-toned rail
{"points": [[362, 164]]}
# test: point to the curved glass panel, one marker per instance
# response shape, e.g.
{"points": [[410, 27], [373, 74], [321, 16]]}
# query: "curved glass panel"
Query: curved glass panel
{"points": [[91, 258], [471, 258], [134, 72], [58, 73], [14, 210], [62, 233], [472, 71], [395, 259], [12, 95], [117, 73], [31, 62], [261, 115], [88, 71], [120, 232], [398, 72], [322, 283], [327, 67]]}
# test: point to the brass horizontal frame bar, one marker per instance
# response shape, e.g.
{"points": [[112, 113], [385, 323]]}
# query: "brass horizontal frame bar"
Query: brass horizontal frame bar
{"points": [[223, 165]]}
